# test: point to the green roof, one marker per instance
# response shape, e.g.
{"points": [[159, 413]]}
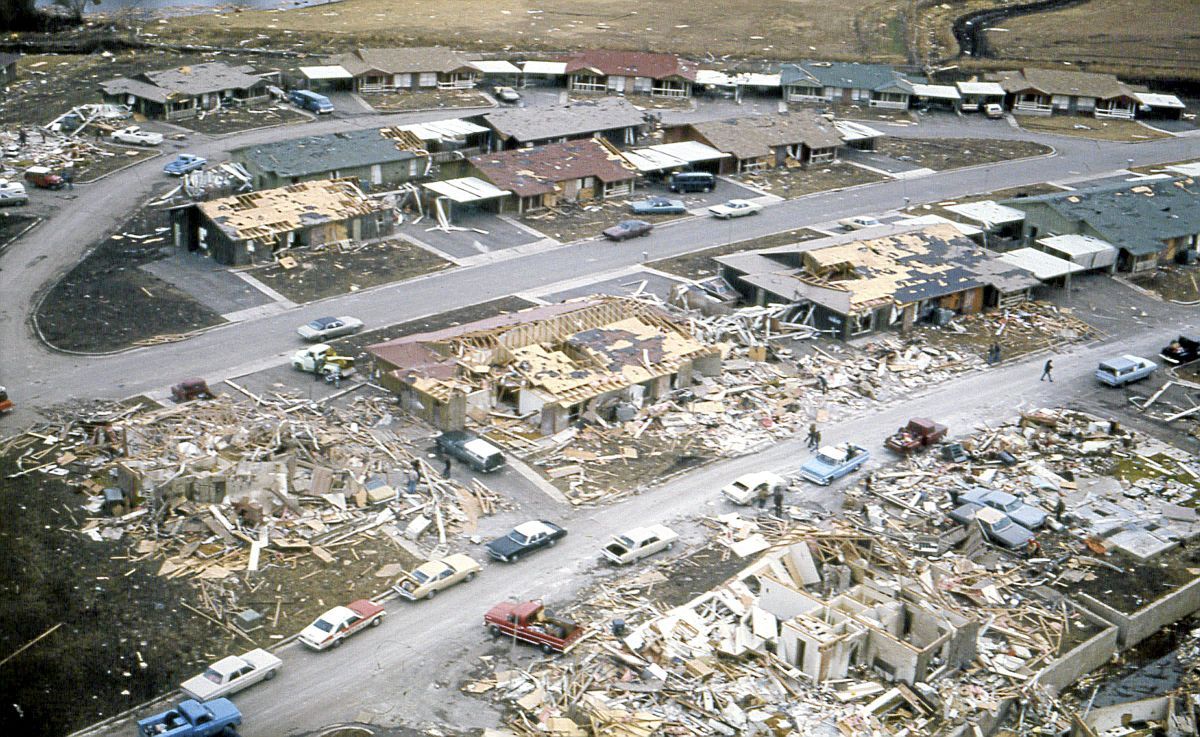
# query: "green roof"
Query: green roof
{"points": [[301, 157]]}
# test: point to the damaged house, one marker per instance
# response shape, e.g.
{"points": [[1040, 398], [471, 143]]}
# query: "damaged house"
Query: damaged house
{"points": [[177, 94], [633, 72], [798, 138], [253, 227], [543, 176], [871, 280], [367, 156], [553, 365]]}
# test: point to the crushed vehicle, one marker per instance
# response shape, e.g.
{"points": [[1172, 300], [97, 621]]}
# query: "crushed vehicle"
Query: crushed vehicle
{"points": [[657, 206], [920, 432], [529, 622], [750, 487], [189, 389], [1125, 370], [627, 229], [638, 543], [524, 539], [43, 178], [335, 625], [833, 462], [232, 674], [134, 134], [424, 581], [735, 209], [998, 528], [322, 359], [324, 328], [480, 455], [1015, 508], [12, 193], [1184, 349], [192, 719], [183, 164]]}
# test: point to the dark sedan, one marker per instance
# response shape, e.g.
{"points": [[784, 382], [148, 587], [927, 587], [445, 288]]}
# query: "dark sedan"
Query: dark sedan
{"points": [[628, 229], [523, 539]]}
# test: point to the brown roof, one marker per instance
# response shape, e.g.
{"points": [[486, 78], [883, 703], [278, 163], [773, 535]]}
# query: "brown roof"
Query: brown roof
{"points": [[632, 64], [533, 171], [402, 60], [751, 138], [1065, 82]]}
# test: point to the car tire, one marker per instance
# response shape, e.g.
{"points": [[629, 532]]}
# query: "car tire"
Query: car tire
{"points": [[648, 233], [377, 621], [337, 643], [494, 631], [270, 674], [431, 594], [471, 576]]}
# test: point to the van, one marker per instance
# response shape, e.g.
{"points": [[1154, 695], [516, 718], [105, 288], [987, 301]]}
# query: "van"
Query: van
{"points": [[693, 181], [310, 101], [479, 454]]}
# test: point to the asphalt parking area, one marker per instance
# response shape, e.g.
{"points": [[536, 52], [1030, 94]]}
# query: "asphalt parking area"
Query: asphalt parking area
{"points": [[486, 232]]}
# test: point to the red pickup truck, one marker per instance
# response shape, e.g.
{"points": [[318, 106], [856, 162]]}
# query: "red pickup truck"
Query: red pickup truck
{"points": [[529, 622], [918, 433]]}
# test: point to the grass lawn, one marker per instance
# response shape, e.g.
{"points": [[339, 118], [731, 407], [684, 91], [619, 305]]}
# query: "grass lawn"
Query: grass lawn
{"points": [[119, 157], [238, 118], [791, 183], [941, 154], [1084, 127], [388, 102]]}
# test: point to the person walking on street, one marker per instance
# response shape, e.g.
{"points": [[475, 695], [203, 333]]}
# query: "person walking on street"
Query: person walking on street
{"points": [[1046, 371], [446, 468], [814, 436]]}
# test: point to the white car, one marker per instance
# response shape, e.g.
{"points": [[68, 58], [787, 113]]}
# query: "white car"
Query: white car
{"points": [[638, 543], [12, 193], [858, 222], [324, 328], [232, 674], [735, 209], [507, 94], [138, 137], [752, 486], [340, 622]]}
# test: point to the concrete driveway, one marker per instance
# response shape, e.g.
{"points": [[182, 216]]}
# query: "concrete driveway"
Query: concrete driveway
{"points": [[485, 232]]}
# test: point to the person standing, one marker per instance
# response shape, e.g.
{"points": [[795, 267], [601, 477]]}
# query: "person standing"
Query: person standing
{"points": [[69, 178], [814, 436], [779, 502], [1046, 371], [446, 468]]}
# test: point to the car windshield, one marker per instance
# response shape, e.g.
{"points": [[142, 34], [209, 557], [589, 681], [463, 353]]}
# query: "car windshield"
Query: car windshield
{"points": [[518, 538], [826, 460], [213, 676], [1002, 524], [1012, 506], [322, 625], [740, 485]]}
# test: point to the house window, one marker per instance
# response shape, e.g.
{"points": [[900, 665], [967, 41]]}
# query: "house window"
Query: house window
{"points": [[1060, 101], [863, 323], [588, 182], [428, 79], [414, 167]]}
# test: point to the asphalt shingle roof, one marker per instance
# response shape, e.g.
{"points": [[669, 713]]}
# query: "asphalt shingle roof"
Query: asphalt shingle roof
{"points": [[402, 60], [1065, 82], [845, 75], [532, 171], [750, 138], [573, 119], [188, 81], [300, 157], [632, 64]]}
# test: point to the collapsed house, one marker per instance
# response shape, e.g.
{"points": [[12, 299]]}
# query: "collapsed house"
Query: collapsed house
{"points": [[552, 365], [543, 176], [177, 94], [246, 228], [868, 281]]}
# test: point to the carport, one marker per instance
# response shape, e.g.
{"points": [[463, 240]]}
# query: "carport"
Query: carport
{"points": [[856, 135], [544, 74], [940, 95], [327, 78], [996, 219], [1159, 106], [1090, 254], [665, 157], [975, 95], [499, 72], [1043, 266], [468, 192]]}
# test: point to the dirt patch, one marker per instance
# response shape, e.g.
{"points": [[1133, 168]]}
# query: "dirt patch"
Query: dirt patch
{"points": [[1175, 283], [1104, 130], [122, 637], [700, 264], [12, 225], [697, 573], [572, 222], [941, 154], [791, 183], [645, 102], [107, 303], [390, 102], [119, 158], [331, 272], [242, 118], [1027, 328]]}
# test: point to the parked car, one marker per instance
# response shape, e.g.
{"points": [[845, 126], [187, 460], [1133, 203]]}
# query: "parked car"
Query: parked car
{"points": [[135, 135], [1184, 349], [310, 101], [1002, 530], [424, 581], [479, 454], [858, 222], [507, 94], [192, 719], [920, 432], [12, 193], [183, 164], [692, 181], [529, 622], [232, 674], [639, 543], [6, 404], [993, 111], [524, 539], [189, 389], [1124, 370], [627, 229], [340, 622], [735, 209], [326, 328], [833, 462], [657, 206], [43, 178], [751, 486]]}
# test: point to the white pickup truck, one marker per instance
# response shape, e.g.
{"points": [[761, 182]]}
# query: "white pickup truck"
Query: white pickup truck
{"points": [[638, 543], [136, 136]]}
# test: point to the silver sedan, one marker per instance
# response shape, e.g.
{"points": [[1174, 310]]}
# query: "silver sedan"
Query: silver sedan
{"points": [[325, 328]]}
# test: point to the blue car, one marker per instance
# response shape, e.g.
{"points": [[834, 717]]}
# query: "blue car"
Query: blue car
{"points": [[833, 462], [657, 206], [184, 163], [1124, 370]]}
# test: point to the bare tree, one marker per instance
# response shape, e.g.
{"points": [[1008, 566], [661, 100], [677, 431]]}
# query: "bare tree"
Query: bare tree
{"points": [[75, 8]]}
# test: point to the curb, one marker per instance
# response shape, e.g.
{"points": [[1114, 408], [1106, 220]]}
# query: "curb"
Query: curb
{"points": [[36, 222], [130, 165]]}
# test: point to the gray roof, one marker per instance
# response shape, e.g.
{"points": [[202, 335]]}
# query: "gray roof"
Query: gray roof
{"points": [[1064, 82], [402, 60], [572, 119], [845, 75], [300, 157], [750, 138], [189, 81], [135, 87], [1134, 216]]}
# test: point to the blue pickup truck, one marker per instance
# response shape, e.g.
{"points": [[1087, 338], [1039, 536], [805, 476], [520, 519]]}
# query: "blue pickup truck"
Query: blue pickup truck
{"points": [[833, 462], [193, 719], [1124, 370]]}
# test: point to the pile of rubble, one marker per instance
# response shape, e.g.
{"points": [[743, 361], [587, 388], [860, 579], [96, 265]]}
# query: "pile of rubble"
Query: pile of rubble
{"points": [[1018, 330], [49, 149]]}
